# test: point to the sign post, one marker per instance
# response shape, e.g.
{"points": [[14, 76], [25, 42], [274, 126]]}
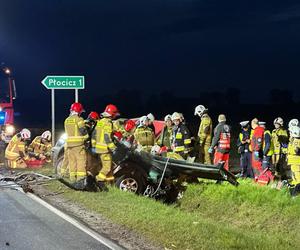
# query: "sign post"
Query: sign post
{"points": [[61, 82]]}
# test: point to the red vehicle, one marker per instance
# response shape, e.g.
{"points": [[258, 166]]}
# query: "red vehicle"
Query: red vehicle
{"points": [[7, 96]]}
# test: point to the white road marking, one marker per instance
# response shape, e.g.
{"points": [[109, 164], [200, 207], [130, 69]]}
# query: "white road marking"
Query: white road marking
{"points": [[76, 223]]}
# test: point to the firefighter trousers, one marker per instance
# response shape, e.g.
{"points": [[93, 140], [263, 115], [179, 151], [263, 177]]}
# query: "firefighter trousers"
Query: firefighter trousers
{"points": [[106, 170], [204, 155], [256, 164], [295, 174], [218, 157], [76, 162], [17, 163]]}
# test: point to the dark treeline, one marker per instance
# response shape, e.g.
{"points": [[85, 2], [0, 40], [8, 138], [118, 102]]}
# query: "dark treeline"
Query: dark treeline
{"points": [[133, 103]]}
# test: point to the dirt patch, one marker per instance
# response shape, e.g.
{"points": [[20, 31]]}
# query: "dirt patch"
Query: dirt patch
{"points": [[120, 234]]}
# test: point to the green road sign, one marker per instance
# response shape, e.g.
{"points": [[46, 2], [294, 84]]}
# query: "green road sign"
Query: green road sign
{"points": [[63, 82]]}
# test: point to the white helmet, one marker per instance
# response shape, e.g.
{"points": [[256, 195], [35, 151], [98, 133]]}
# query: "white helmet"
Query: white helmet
{"points": [[176, 116], [155, 150], [278, 121], [295, 131], [25, 134], [151, 117], [181, 116], [293, 123], [199, 110], [142, 121], [46, 135], [168, 117]]}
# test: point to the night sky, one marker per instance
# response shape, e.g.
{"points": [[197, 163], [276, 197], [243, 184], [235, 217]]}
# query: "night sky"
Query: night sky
{"points": [[182, 46]]}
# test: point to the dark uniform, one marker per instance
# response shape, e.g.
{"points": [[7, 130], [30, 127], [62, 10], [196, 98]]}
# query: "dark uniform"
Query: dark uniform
{"points": [[181, 140], [244, 151]]}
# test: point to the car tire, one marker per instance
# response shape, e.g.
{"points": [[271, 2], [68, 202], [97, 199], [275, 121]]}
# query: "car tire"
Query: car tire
{"points": [[131, 182]]}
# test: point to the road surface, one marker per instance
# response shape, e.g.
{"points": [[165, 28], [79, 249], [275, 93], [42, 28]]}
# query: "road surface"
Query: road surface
{"points": [[26, 224]]}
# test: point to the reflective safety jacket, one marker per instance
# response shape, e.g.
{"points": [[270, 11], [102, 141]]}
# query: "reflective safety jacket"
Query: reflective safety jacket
{"points": [[16, 149], [268, 146], [38, 147], [293, 157], [243, 147], [165, 138], [205, 130], [181, 139], [75, 130], [222, 138], [280, 139], [145, 137], [103, 136], [257, 138]]}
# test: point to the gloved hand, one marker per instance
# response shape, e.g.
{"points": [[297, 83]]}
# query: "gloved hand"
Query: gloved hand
{"points": [[210, 150]]}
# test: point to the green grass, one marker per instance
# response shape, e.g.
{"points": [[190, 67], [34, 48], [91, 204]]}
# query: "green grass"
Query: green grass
{"points": [[208, 217]]}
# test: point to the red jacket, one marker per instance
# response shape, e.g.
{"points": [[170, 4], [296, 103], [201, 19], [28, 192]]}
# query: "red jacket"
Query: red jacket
{"points": [[257, 139]]}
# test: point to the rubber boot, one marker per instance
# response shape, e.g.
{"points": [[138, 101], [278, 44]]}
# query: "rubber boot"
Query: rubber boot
{"points": [[90, 184]]}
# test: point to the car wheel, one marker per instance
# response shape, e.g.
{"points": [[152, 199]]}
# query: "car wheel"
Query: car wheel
{"points": [[59, 168], [129, 182]]}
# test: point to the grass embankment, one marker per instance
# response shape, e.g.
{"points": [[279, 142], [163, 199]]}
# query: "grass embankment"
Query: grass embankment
{"points": [[208, 217]]}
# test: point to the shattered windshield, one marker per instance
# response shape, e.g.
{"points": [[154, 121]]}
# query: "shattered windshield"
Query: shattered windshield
{"points": [[4, 89]]}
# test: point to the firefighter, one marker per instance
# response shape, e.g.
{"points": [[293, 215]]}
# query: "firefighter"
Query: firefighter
{"points": [[244, 150], [91, 121], [40, 147], [77, 134], [143, 135], [165, 136], [151, 119], [129, 129], [257, 138], [293, 123], [104, 145], [16, 151], [268, 147], [204, 133], [181, 138], [293, 158], [221, 142], [280, 140]]}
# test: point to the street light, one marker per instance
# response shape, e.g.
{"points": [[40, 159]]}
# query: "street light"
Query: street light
{"points": [[7, 71]]}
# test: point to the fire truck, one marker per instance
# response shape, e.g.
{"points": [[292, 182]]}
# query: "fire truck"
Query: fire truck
{"points": [[7, 97]]}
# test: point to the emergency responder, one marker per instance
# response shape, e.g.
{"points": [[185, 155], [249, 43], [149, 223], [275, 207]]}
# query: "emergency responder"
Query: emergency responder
{"points": [[244, 150], [257, 138], [129, 129], [268, 147], [204, 134], [293, 158], [293, 123], [280, 140], [181, 138], [221, 142], [104, 145], [165, 136], [77, 134], [151, 119], [90, 122], [143, 135], [40, 147], [16, 151]]}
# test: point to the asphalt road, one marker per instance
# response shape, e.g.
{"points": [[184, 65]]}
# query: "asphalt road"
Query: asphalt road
{"points": [[26, 224]]}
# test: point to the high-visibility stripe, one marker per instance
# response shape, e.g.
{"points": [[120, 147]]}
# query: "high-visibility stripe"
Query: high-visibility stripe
{"points": [[187, 141], [179, 149], [81, 174]]}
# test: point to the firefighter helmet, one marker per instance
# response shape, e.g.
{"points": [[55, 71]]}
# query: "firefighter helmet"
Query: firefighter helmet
{"points": [[176, 116], [295, 132], [168, 117], [111, 111], [77, 107], [46, 135], [222, 118], [278, 121], [93, 115], [293, 123], [151, 117], [118, 135], [143, 120], [25, 134], [200, 110], [129, 125]]}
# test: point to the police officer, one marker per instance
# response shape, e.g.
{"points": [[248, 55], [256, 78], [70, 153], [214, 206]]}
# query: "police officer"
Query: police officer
{"points": [[16, 150], [143, 135], [181, 139], [221, 142], [204, 133], [244, 150], [280, 140], [77, 134]]}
